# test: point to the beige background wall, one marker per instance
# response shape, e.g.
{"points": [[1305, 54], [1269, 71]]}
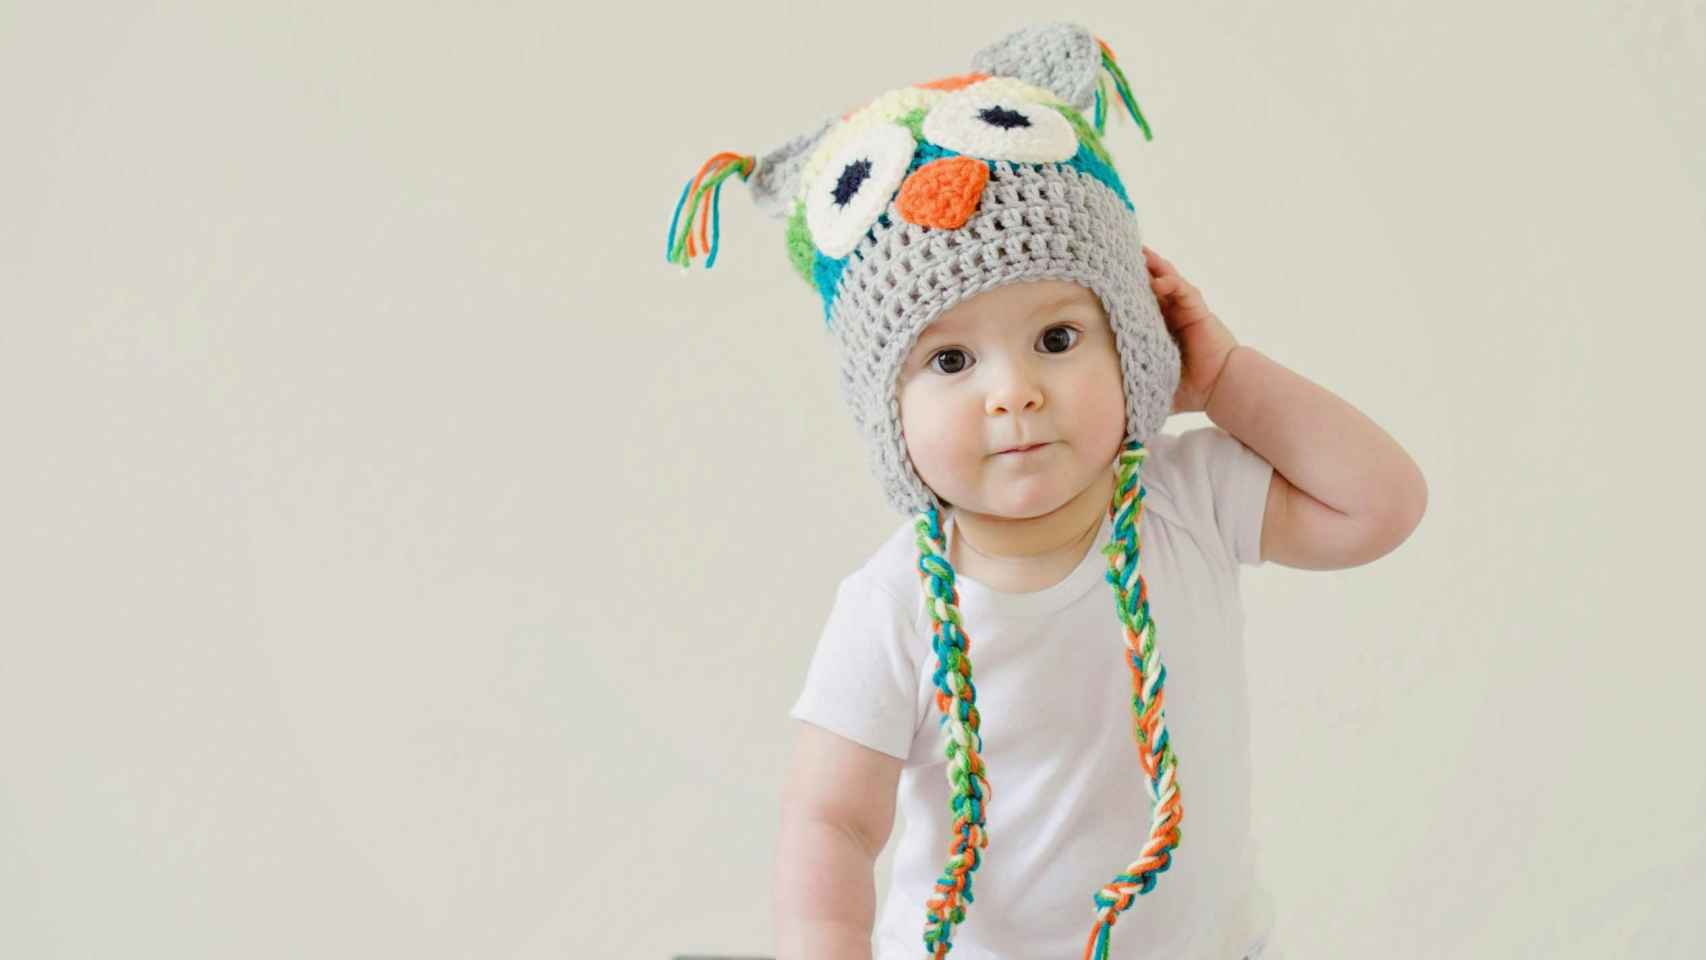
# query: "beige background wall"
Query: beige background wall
{"points": [[401, 559]]}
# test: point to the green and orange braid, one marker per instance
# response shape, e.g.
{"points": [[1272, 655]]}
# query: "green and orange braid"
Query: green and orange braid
{"points": [[956, 698]]}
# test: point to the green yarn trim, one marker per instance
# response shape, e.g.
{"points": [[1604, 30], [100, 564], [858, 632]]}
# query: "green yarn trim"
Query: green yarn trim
{"points": [[1086, 134], [801, 250], [914, 121]]}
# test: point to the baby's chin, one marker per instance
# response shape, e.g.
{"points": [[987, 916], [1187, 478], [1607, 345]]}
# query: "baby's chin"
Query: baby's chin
{"points": [[1018, 499]]}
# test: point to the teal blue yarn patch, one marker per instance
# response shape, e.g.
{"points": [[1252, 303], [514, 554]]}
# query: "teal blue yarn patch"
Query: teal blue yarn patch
{"points": [[1085, 160], [826, 273]]}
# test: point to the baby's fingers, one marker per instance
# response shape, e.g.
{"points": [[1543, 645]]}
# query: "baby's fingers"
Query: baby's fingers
{"points": [[1158, 264], [1168, 285]]}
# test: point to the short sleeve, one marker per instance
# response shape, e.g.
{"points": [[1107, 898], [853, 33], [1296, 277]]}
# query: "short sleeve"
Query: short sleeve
{"points": [[1238, 480], [862, 681]]}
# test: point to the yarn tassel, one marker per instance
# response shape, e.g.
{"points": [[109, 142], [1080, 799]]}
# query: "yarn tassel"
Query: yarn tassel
{"points": [[1101, 105], [706, 190], [1112, 66]]}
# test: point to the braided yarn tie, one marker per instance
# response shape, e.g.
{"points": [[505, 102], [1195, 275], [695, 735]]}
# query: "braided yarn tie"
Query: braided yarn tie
{"points": [[1149, 676], [956, 698]]}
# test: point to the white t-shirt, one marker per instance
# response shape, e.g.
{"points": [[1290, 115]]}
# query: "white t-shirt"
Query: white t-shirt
{"points": [[1067, 810]]}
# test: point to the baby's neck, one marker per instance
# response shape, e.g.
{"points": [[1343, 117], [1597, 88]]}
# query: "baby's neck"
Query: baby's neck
{"points": [[1025, 555]]}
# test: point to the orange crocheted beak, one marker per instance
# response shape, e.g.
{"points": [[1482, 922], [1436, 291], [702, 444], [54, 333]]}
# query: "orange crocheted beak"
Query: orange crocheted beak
{"points": [[943, 193]]}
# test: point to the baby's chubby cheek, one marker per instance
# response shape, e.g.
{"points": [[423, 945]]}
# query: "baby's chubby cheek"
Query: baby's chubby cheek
{"points": [[948, 456]]}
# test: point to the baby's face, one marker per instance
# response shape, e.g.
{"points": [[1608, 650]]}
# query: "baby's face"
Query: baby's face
{"points": [[1026, 362]]}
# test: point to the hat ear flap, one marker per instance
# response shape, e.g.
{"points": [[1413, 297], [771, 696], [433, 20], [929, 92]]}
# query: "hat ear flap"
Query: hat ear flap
{"points": [[776, 181], [1061, 58]]}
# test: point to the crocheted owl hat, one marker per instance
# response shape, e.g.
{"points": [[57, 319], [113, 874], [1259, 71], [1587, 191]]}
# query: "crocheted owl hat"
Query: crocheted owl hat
{"points": [[926, 196]]}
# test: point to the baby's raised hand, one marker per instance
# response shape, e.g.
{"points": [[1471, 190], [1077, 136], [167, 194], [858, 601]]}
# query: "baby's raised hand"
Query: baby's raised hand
{"points": [[1204, 342]]}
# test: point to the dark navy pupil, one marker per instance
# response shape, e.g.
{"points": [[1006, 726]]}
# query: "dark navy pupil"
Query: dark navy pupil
{"points": [[1004, 118], [852, 176]]}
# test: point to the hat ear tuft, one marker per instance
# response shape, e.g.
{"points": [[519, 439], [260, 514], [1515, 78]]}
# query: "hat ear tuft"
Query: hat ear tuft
{"points": [[777, 177], [1061, 58]]}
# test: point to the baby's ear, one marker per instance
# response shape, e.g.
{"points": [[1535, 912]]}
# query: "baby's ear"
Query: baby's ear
{"points": [[1061, 58], [776, 176]]}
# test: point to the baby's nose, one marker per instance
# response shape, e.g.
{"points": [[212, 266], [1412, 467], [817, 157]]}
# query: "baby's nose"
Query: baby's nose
{"points": [[943, 193]]}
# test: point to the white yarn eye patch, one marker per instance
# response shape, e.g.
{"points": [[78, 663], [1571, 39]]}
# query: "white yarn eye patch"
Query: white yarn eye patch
{"points": [[992, 127], [856, 186]]}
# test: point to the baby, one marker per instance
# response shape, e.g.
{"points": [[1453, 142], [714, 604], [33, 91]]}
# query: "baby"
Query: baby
{"points": [[1033, 366], [1010, 351]]}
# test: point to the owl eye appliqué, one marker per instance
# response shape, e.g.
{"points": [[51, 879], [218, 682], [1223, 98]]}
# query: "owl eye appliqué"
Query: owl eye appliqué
{"points": [[856, 186], [995, 128]]}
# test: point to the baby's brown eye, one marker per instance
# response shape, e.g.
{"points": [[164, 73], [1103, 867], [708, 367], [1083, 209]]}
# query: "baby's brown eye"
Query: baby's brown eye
{"points": [[1067, 345], [949, 353]]}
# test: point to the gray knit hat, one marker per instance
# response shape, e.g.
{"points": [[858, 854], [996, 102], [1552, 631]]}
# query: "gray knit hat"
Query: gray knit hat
{"points": [[927, 196]]}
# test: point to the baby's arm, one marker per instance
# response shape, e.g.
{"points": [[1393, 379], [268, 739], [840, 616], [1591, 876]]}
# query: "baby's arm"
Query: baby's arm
{"points": [[837, 812], [1344, 493]]}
